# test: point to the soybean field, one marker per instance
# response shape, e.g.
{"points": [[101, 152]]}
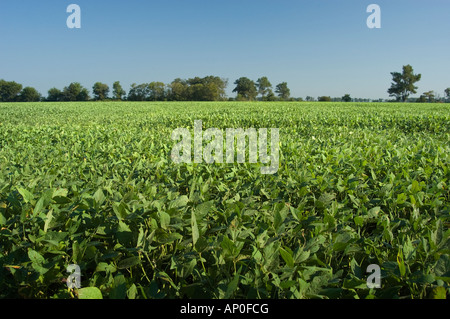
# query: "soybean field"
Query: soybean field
{"points": [[93, 184]]}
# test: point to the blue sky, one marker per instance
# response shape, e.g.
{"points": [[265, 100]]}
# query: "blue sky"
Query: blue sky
{"points": [[320, 47]]}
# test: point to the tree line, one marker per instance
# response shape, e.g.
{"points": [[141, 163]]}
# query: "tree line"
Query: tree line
{"points": [[209, 88]]}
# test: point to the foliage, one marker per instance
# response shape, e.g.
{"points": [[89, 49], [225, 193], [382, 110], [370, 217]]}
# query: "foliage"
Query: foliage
{"points": [[75, 92], [100, 91], [29, 94], [283, 91], [346, 98], [92, 184], [54, 95], [403, 83], [264, 88], [9, 90], [245, 89], [118, 91]]}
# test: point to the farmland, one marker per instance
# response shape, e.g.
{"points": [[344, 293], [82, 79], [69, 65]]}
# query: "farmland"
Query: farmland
{"points": [[93, 184]]}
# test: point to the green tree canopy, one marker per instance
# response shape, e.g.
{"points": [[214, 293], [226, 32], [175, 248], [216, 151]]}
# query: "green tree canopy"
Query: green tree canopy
{"points": [[100, 91], [177, 90], [118, 91], [245, 89], [156, 91], [54, 95], [429, 96], [138, 92], [283, 91], [264, 87], [9, 91], [75, 92], [324, 99], [403, 83], [29, 94], [346, 98], [447, 94], [209, 88]]}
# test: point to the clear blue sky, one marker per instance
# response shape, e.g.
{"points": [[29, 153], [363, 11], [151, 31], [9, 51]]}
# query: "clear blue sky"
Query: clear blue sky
{"points": [[320, 47]]}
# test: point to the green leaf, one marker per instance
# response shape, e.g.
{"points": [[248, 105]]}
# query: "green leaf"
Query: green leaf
{"points": [[61, 192], [168, 238], [438, 293], [123, 227], [401, 198], [359, 220], [99, 197], [179, 202], [105, 267], [232, 286], [48, 220], [401, 263], [442, 267], [302, 256], [373, 213], [39, 206], [132, 292], [287, 257], [415, 187], [77, 252], [356, 269], [119, 288], [129, 262], [195, 233], [35, 257], [229, 247], [120, 210], [164, 219], [89, 293], [27, 196], [203, 209]]}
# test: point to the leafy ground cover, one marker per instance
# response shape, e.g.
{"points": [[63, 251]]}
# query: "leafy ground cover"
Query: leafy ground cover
{"points": [[93, 184]]}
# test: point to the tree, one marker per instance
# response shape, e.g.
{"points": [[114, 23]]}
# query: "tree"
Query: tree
{"points": [[309, 98], [75, 92], [346, 98], [447, 94], [100, 91], [264, 87], [29, 94], [118, 91], [209, 88], [245, 89], [429, 96], [54, 95], [421, 99], [270, 97], [156, 91], [83, 95], [138, 92], [9, 91], [324, 99], [178, 90], [403, 83], [283, 91], [215, 88]]}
